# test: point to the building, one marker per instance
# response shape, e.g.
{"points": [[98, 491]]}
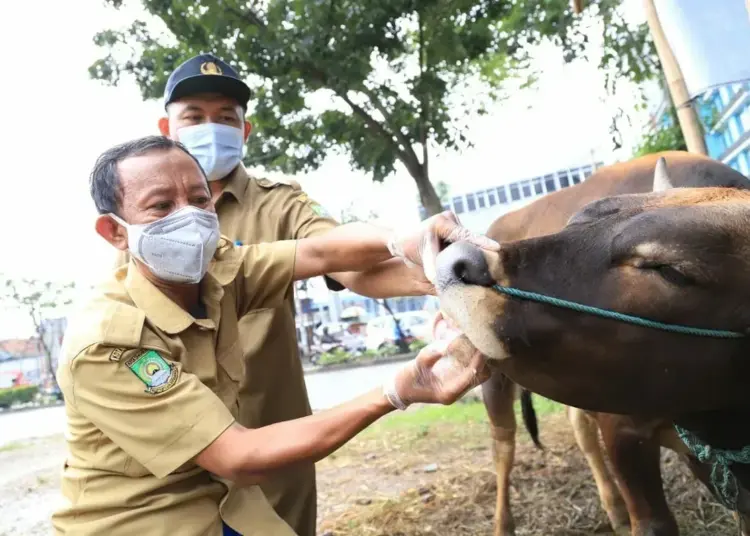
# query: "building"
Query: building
{"points": [[479, 208], [22, 361], [725, 115]]}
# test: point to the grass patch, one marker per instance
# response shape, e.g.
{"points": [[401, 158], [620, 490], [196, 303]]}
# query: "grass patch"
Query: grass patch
{"points": [[13, 445], [460, 413]]}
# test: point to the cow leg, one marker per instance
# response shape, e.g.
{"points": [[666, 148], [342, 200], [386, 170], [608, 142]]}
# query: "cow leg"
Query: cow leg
{"points": [[586, 433], [635, 457], [702, 472], [499, 395]]}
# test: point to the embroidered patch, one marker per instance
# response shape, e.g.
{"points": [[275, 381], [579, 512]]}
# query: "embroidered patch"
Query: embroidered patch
{"points": [[116, 354], [153, 370], [319, 210]]}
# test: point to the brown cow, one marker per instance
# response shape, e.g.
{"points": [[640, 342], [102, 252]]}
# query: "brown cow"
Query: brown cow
{"points": [[528, 339]]}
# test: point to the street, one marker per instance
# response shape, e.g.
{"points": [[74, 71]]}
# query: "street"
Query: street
{"points": [[326, 389]]}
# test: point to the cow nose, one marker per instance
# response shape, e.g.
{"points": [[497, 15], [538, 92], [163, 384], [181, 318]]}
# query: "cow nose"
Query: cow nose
{"points": [[465, 263]]}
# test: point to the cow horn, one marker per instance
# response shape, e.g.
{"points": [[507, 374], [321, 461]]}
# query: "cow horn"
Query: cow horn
{"points": [[661, 176]]}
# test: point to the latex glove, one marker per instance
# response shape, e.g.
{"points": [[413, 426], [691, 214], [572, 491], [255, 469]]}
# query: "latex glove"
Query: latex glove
{"points": [[422, 245], [436, 377]]}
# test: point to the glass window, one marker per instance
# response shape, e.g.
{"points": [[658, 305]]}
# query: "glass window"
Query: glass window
{"points": [[491, 198], [564, 179], [480, 200], [471, 202], [727, 137], [526, 188], [458, 205], [725, 96], [587, 172], [502, 197], [745, 119], [549, 183], [734, 128], [743, 161], [515, 194], [574, 175], [538, 188]]}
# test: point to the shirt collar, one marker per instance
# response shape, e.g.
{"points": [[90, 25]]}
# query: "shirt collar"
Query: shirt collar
{"points": [[166, 314], [237, 184]]}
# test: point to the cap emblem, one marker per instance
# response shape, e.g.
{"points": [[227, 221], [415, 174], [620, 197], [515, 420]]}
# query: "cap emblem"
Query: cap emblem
{"points": [[210, 67]]}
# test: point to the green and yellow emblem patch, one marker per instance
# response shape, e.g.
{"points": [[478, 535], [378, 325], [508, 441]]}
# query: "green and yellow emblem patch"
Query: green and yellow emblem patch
{"points": [[153, 370]]}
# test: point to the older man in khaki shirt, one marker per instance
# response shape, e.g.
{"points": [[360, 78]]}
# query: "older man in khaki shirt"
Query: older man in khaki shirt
{"points": [[151, 366], [206, 102]]}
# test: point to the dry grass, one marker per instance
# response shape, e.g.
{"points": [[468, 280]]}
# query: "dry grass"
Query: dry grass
{"points": [[381, 485]]}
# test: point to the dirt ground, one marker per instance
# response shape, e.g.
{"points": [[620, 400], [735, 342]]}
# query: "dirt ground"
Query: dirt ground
{"points": [[426, 472]]}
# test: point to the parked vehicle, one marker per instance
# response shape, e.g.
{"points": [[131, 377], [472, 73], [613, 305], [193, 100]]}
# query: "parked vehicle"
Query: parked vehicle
{"points": [[381, 331]]}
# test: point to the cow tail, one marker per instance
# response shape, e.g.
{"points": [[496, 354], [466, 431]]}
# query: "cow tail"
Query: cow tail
{"points": [[529, 418]]}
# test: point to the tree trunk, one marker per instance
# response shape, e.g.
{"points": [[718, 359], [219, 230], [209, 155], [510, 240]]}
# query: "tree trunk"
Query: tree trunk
{"points": [[692, 130], [427, 194]]}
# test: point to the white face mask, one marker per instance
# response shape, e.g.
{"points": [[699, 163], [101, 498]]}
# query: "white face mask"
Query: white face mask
{"points": [[178, 247], [217, 147]]}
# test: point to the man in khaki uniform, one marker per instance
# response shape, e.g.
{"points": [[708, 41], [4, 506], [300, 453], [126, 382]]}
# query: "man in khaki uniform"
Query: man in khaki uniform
{"points": [[151, 366], [206, 103]]}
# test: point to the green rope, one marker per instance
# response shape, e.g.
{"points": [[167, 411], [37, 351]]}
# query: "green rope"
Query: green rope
{"points": [[722, 479], [638, 321]]}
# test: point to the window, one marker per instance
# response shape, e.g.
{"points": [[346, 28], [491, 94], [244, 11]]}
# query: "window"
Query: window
{"points": [[575, 176], [725, 96], [458, 205], [471, 202], [502, 197], [745, 119], [734, 128], [480, 200], [515, 194], [744, 167], [526, 188], [491, 198], [587, 171], [564, 179], [727, 137], [538, 188], [549, 183]]}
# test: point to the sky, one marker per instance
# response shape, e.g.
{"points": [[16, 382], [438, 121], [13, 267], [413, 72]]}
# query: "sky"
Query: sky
{"points": [[57, 121]]}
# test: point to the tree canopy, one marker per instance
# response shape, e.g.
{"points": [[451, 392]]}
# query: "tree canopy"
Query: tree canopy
{"points": [[382, 82]]}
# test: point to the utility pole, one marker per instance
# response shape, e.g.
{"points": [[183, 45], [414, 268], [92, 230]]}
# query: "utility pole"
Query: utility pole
{"points": [[687, 116]]}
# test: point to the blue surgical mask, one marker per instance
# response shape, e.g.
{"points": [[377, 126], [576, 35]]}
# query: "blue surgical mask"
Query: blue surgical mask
{"points": [[217, 147]]}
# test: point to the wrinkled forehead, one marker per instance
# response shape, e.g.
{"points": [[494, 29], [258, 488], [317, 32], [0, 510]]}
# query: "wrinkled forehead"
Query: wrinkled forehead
{"points": [[159, 170]]}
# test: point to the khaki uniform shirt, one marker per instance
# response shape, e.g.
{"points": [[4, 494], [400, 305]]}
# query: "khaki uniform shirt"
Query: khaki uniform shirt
{"points": [[148, 386], [273, 387]]}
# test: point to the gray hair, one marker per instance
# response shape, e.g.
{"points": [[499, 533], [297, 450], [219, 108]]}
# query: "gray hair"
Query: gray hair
{"points": [[104, 182]]}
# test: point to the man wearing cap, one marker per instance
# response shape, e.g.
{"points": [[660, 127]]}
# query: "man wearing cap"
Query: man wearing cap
{"points": [[206, 102]]}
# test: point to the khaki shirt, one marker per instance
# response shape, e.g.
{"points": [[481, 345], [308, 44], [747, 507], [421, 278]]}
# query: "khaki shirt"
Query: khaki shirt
{"points": [[148, 386], [273, 389]]}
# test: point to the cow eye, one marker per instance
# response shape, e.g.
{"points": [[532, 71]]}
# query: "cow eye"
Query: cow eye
{"points": [[673, 275]]}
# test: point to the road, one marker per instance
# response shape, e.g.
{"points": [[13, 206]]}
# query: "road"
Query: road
{"points": [[326, 389]]}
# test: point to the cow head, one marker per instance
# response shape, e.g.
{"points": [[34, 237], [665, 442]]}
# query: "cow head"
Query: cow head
{"points": [[677, 256]]}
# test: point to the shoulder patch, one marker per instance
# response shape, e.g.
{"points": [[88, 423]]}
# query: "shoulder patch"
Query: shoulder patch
{"points": [[273, 183], [153, 370], [316, 207]]}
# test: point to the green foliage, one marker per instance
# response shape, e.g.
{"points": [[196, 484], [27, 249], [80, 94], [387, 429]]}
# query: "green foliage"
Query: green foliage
{"points": [[380, 81], [666, 138], [17, 395], [334, 357], [388, 350], [416, 345]]}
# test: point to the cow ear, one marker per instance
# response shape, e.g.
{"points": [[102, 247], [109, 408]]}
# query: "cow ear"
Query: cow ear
{"points": [[661, 177]]}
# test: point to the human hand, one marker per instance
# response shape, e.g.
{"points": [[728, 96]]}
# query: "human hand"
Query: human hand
{"points": [[421, 246], [435, 377]]}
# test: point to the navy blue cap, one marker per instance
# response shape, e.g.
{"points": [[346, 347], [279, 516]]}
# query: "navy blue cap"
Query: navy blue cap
{"points": [[206, 73]]}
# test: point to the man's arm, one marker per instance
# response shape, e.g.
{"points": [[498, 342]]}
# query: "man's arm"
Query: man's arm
{"points": [[248, 456], [304, 218]]}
